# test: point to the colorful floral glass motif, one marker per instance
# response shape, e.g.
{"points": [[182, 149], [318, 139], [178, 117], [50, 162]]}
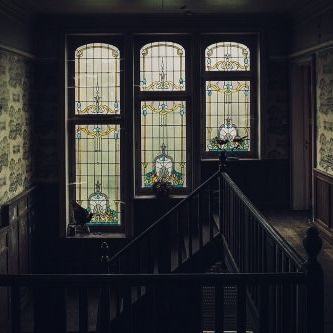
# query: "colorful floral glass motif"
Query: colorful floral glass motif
{"points": [[162, 67], [227, 56], [163, 142], [97, 153], [97, 79], [227, 115]]}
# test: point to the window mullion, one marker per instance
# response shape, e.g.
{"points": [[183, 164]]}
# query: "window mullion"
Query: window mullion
{"points": [[116, 119]]}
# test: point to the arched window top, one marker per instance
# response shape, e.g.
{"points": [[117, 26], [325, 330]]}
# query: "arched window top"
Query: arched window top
{"points": [[227, 56], [162, 67], [97, 79], [97, 50]]}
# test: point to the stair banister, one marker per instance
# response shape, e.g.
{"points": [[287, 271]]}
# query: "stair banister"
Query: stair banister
{"points": [[314, 281], [164, 218]]}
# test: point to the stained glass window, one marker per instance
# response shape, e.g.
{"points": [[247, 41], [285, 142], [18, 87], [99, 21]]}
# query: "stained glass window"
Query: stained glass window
{"points": [[97, 143], [97, 79], [228, 115], [229, 83], [163, 142], [227, 56], [162, 67], [97, 152]]}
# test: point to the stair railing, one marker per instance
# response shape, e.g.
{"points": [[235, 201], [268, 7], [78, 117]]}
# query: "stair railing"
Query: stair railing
{"points": [[273, 283], [252, 245], [66, 303], [174, 237], [61, 303], [255, 245]]}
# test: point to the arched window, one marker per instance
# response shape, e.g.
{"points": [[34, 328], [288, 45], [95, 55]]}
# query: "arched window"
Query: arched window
{"points": [[229, 83], [227, 56], [95, 144], [97, 79], [163, 116], [162, 67]]}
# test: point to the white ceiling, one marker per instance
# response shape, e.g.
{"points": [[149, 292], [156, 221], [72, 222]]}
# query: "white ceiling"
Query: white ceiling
{"points": [[164, 6]]}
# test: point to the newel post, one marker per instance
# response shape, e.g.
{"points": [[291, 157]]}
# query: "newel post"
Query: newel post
{"points": [[105, 258], [314, 282], [222, 168], [223, 160], [103, 314]]}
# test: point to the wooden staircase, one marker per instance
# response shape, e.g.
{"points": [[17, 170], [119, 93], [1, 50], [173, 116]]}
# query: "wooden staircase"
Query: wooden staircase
{"points": [[157, 282]]}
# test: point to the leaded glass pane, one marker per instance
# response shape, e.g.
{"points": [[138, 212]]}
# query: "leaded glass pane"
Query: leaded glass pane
{"points": [[163, 142], [162, 67], [227, 56], [97, 78], [228, 115], [97, 156]]}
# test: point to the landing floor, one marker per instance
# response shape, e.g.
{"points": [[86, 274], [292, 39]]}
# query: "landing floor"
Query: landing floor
{"points": [[292, 226]]}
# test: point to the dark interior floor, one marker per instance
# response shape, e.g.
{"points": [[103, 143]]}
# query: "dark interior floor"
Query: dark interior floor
{"points": [[292, 226]]}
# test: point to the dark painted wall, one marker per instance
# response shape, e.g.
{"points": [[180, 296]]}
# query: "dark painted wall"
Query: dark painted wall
{"points": [[312, 31], [16, 33]]}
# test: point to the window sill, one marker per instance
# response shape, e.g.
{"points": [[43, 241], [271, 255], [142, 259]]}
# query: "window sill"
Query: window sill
{"points": [[232, 159], [98, 235], [154, 197]]}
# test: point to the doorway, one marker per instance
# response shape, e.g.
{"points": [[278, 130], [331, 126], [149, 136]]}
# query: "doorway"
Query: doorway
{"points": [[302, 135]]}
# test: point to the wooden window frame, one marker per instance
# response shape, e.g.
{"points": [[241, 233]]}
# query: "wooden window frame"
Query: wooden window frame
{"points": [[129, 45], [72, 119], [251, 41], [141, 96]]}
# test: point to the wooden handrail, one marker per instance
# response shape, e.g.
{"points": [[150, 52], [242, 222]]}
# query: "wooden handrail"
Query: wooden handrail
{"points": [[110, 280], [274, 234], [116, 289], [164, 216]]}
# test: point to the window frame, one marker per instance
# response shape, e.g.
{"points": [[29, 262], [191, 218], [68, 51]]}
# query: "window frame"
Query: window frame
{"points": [[72, 119], [251, 41], [140, 96], [194, 95]]}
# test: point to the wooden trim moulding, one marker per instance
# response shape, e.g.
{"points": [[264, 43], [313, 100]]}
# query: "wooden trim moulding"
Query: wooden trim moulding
{"points": [[324, 176], [4, 208], [17, 51]]}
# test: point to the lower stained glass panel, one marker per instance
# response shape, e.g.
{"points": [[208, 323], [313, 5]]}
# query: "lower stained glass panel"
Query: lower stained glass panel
{"points": [[97, 153], [228, 115], [163, 143]]}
